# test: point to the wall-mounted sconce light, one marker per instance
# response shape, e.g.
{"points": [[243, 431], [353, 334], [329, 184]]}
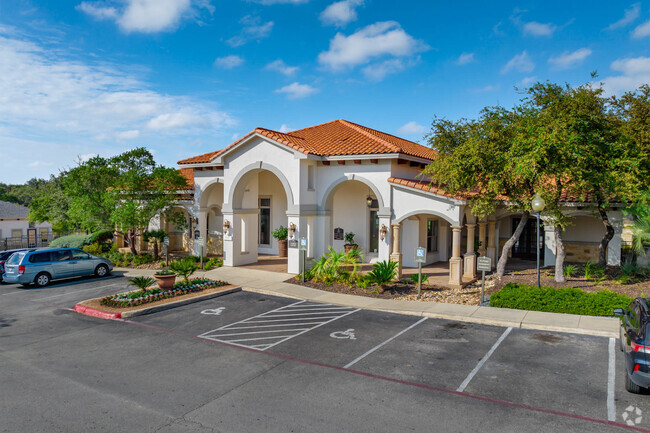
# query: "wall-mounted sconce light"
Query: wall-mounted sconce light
{"points": [[226, 224], [382, 232], [292, 230]]}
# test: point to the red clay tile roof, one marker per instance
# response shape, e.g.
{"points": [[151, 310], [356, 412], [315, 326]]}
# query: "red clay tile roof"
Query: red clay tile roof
{"points": [[423, 185], [335, 138], [188, 174]]}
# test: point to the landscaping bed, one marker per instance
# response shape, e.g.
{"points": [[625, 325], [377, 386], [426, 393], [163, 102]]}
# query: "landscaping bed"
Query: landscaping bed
{"points": [[199, 291], [563, 300], [400, 291]]}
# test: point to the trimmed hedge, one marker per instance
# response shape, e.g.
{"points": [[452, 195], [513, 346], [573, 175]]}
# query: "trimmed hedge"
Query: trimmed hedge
{"points": [[71, 241], [565, 300]]}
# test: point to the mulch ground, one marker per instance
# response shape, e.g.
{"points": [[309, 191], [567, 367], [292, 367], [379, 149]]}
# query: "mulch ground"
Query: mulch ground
{"points": [[469, 295], [640, 288]]}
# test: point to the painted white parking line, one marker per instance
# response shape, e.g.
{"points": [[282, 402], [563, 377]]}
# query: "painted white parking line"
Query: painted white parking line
{"points": [[350, 364], [463, 385], [76, 291], [611, 370], [285, 323]]}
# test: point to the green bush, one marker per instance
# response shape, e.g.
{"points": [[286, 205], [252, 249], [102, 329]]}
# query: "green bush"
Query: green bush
{"points": [[424, 279], [594, 271], [566, 300], [70, 241], [383, 273], [569, 270], [101, 237], [184, 267], [212, 263], [95, 249]]}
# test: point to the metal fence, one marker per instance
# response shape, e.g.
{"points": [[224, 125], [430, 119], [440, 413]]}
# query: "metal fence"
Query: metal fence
{"points": [[22, 242]]}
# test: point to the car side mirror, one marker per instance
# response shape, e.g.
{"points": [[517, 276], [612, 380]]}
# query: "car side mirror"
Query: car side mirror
{"points": [[619, 312]]}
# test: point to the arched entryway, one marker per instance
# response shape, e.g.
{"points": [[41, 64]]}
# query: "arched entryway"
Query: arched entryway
{"points": [[179, 236], [356, 206], [211, 218], [259, 200]]}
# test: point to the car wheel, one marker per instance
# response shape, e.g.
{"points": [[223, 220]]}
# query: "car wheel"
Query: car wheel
{"points": [[101, 271], [42, 279], [631, 386]]}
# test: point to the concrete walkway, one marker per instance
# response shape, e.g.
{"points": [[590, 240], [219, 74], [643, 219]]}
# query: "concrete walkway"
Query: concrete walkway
{"points": [[272, 283]]}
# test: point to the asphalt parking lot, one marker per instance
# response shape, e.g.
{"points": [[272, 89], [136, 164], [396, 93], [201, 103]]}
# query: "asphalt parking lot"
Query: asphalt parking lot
{"points": [[248, 362]]}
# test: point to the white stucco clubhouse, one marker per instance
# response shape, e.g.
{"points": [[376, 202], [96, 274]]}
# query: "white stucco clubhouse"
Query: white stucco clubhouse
{"points": [[343, 177]]}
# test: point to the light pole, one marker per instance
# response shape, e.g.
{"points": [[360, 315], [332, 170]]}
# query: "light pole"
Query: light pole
{"points": [[538, 204]]}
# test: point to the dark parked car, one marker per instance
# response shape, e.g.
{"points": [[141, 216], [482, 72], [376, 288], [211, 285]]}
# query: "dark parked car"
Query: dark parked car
{"points": [[635, 343], [44, 265], [4, 255]]}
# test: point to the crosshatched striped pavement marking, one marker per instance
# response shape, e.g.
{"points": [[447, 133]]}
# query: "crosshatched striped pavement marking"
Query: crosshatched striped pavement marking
{"points": [[276, 326]]}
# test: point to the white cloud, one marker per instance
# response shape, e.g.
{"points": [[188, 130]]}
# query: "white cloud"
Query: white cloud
{"points": [[465, 58], [412, 128], [642, 30], [145, 16], [281, 67], [521, 62], [378, 71], [376, 40], [285, 128], [36, 164], [340, 13], [631, 14], [228, 62], [175, 120], [568, 60], [296, 90], [86, 156], [128, 135], [252, 30], [634, 73], [533, 28], [97, 10], [526, 81], [43, 92]]}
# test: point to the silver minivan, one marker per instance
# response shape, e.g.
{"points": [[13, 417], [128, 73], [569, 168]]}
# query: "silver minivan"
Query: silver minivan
{"points": [[44, 265]]}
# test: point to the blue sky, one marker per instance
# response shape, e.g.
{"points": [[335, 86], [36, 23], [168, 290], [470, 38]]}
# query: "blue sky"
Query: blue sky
{"points": [[184, 77]]}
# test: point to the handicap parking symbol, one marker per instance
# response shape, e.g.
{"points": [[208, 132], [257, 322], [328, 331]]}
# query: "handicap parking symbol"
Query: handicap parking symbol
{"points": [[214, 311], [348, 334]]}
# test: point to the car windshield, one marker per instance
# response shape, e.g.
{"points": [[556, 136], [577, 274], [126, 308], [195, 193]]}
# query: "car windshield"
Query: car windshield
{"points": [[15, 258]]}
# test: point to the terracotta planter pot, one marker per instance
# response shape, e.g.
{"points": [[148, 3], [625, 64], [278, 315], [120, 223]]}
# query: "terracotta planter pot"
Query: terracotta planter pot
{"points": [[165, 281], [283, 249], [350, 247]]}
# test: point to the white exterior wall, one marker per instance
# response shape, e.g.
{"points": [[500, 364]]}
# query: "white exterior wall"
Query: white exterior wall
{"points": [[408, 202], [7, 226], [350, 212]]}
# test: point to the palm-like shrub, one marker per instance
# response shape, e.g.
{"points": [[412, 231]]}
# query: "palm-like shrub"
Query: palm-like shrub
{"points": [[383, 273], [423, 279], [184, 267], [142, 283], [334, 265]]}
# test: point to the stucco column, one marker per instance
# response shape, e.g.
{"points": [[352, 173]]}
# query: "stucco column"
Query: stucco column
{"points": [[384, 245], [396, 255], [455, 262], [491, 244], [203, 228], [229, 238], [293, 256], [470, 256], [481, 238]]}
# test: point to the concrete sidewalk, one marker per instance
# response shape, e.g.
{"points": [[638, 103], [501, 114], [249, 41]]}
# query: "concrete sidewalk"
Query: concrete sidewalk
{"points": [[272, 283]]}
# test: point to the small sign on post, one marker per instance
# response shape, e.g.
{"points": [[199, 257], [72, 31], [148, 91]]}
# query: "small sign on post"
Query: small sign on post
{"points": [[197, 233], [166, 247], [420, 257], [483, 264], [303, 257]]}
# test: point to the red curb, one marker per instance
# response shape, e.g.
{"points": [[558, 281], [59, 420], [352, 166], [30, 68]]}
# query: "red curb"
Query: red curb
{"points": [[96, 313]]}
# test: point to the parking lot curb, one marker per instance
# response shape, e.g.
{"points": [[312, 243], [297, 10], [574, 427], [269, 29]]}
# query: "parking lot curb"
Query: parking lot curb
{"points": [[89, 311], [597, 331]]}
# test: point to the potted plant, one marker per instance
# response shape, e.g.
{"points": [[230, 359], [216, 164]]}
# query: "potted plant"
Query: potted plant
{"points": [[281, 234], [165, 278], [349, 242]]}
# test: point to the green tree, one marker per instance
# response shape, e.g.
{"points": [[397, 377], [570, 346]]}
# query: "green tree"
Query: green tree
{"points": [[51, 203], [142, 189]]}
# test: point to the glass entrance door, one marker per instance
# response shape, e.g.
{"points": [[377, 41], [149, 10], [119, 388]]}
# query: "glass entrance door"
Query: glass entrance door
{"points": [[373, 236], [526, 246]]}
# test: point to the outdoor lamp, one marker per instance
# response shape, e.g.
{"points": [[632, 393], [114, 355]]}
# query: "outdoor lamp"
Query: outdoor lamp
{"points": [[226, 224], [382, 232], [369, 201], [538, 203], [292, 230]]}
